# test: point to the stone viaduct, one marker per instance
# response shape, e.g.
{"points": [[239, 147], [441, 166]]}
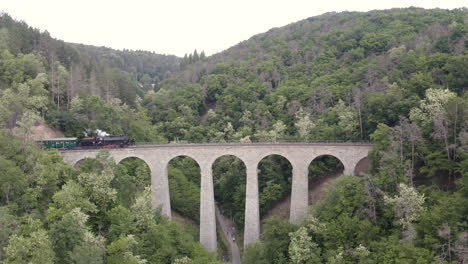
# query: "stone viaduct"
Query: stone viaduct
{"points": [[300, 155]]}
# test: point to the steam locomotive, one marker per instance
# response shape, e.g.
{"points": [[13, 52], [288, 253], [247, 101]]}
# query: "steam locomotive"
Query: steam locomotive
{"points": [[87, 142]]}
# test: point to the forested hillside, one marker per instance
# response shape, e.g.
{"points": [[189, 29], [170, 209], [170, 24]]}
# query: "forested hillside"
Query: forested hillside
{"points": [[398, 78], [75, 70]]}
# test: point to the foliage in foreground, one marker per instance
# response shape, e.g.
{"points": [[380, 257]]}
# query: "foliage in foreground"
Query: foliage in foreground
{"points": [[54, 213], [343, 229]]}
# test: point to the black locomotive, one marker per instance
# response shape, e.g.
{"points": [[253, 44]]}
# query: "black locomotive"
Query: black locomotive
{"points": [[106, 142]]}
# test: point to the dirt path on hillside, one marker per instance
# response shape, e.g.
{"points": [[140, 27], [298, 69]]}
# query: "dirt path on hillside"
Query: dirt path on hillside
{"points": [[41, 131], [227, 227], [317, 189]]}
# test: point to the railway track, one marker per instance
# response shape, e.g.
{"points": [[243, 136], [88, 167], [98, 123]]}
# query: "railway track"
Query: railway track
{"points": [[263, 144]]}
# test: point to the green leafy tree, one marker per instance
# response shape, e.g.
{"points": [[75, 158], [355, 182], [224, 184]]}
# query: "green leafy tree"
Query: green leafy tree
{"points": [[12, 180], [36, 248], [8, 225], [142, 210], [131, 176], [68, 233], [431, 106], [121, 251], [73, 196], [184, 194], [302, 249], [90, 250], [122, 222], [303, 124], [408, 205], [229, 176], [356, 255], [275, 245], [98, 187]]}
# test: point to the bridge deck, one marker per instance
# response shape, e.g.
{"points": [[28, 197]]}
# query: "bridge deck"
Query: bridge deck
{"points": [[237, 144]]}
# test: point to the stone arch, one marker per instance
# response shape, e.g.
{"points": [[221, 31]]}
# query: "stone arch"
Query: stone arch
{"points": [[341, 159], [279, 163], [232, 171], [123, 159], [119, 158], [362, 166], [230, 154], [181, 155], [217, 158], [328, 159], [77, 164], [206, 202], [275, 153], [322, 170], [131, 178], [182, 183], [143, 162]]}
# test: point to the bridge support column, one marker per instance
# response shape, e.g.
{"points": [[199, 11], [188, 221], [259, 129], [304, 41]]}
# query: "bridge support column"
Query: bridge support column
{"points": [[348, 170], [207, 209], [160, 188], [252, 211], [349, 165], [300, 191]]}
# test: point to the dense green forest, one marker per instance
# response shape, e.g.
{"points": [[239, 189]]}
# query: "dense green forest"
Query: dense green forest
{"points": [[398, 78]]}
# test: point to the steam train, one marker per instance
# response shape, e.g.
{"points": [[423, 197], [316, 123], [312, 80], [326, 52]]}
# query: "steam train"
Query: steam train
{"points": [[87, 142]]}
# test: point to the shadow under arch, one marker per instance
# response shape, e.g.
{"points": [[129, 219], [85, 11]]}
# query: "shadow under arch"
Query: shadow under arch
{"points": [[229, 181], [78, 163], [323, 169], [132, 175], [274, 185], [184, 186], [362, 167]]}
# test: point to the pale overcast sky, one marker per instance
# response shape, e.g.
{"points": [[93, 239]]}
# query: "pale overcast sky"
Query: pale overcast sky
{"points": [[180, 26]]}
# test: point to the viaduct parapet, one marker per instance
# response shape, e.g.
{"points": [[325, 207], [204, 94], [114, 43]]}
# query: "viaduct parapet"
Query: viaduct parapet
{"points": [[300, 155]]}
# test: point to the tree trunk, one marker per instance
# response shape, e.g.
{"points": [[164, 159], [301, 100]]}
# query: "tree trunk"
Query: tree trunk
{"points": [[360, 120], [52, 79], [7, 196], [449, 249], [412, 163], [401, 149], [455, 131], [58, 93]]}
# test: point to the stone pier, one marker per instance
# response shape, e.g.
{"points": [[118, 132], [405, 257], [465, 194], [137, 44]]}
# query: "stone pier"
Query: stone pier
{"points": [[300, 190], [207, 209], [252, 210]]}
